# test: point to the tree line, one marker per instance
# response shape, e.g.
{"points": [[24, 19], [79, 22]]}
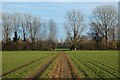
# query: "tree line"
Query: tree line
{"points": [[27, 32], [103, 24]]}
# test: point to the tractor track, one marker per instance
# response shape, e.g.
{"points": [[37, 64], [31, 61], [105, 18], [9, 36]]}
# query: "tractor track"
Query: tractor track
{"points": [[73, 69], [24, 65], [63, 68]]}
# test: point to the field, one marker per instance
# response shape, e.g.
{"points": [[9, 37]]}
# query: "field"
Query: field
{"points": [[60, 64], [96, 64]]}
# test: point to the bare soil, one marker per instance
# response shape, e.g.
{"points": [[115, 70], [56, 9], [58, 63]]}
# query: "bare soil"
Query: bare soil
{"points": [[63, 68]]}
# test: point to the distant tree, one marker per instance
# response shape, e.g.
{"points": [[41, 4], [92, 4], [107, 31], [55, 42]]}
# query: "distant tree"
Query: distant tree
{"points": [[34, 25], [67, 42], [105, 19], [52, 27], [24, 25], [74, 25], [16, 38], [16, 25], [44, 30], [6, 26], [95, 33]]}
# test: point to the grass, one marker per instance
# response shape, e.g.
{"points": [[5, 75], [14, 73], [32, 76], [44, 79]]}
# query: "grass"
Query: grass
{"points": [[62, 49], [95, 64]]}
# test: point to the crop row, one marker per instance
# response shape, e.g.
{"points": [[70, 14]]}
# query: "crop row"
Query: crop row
{"points": [[29, 69], [89, 68]]}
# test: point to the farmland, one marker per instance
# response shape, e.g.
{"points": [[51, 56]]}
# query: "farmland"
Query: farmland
{"points": [[60, 64], [22, 64], [96, 64]]}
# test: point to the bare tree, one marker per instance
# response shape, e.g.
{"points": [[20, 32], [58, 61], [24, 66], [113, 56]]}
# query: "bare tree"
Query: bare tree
{"points": [[24, 25], [52, 33], [95, 33], [40, 34], [44, 30], [74, 25], [106, 18], [6, 26], [34, 25], [16, 25]]}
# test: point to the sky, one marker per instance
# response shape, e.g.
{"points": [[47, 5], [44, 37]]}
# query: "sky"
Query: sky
{"points": [[59, 0], [54, 10]]}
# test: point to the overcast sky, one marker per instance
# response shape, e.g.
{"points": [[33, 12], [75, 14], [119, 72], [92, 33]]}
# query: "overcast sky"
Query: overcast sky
{"points": [[54, 10]]}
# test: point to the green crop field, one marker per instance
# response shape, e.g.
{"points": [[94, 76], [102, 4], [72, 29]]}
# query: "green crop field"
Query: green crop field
{"points": [[88, 64], [95, 64], [12, 60]]}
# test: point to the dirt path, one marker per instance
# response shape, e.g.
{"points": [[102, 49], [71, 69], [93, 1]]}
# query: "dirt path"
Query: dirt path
{"points": [[63, 68]]}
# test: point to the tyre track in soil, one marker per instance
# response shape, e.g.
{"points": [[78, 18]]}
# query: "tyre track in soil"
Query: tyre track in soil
{"points": [[24, 65], [63, 68]]}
